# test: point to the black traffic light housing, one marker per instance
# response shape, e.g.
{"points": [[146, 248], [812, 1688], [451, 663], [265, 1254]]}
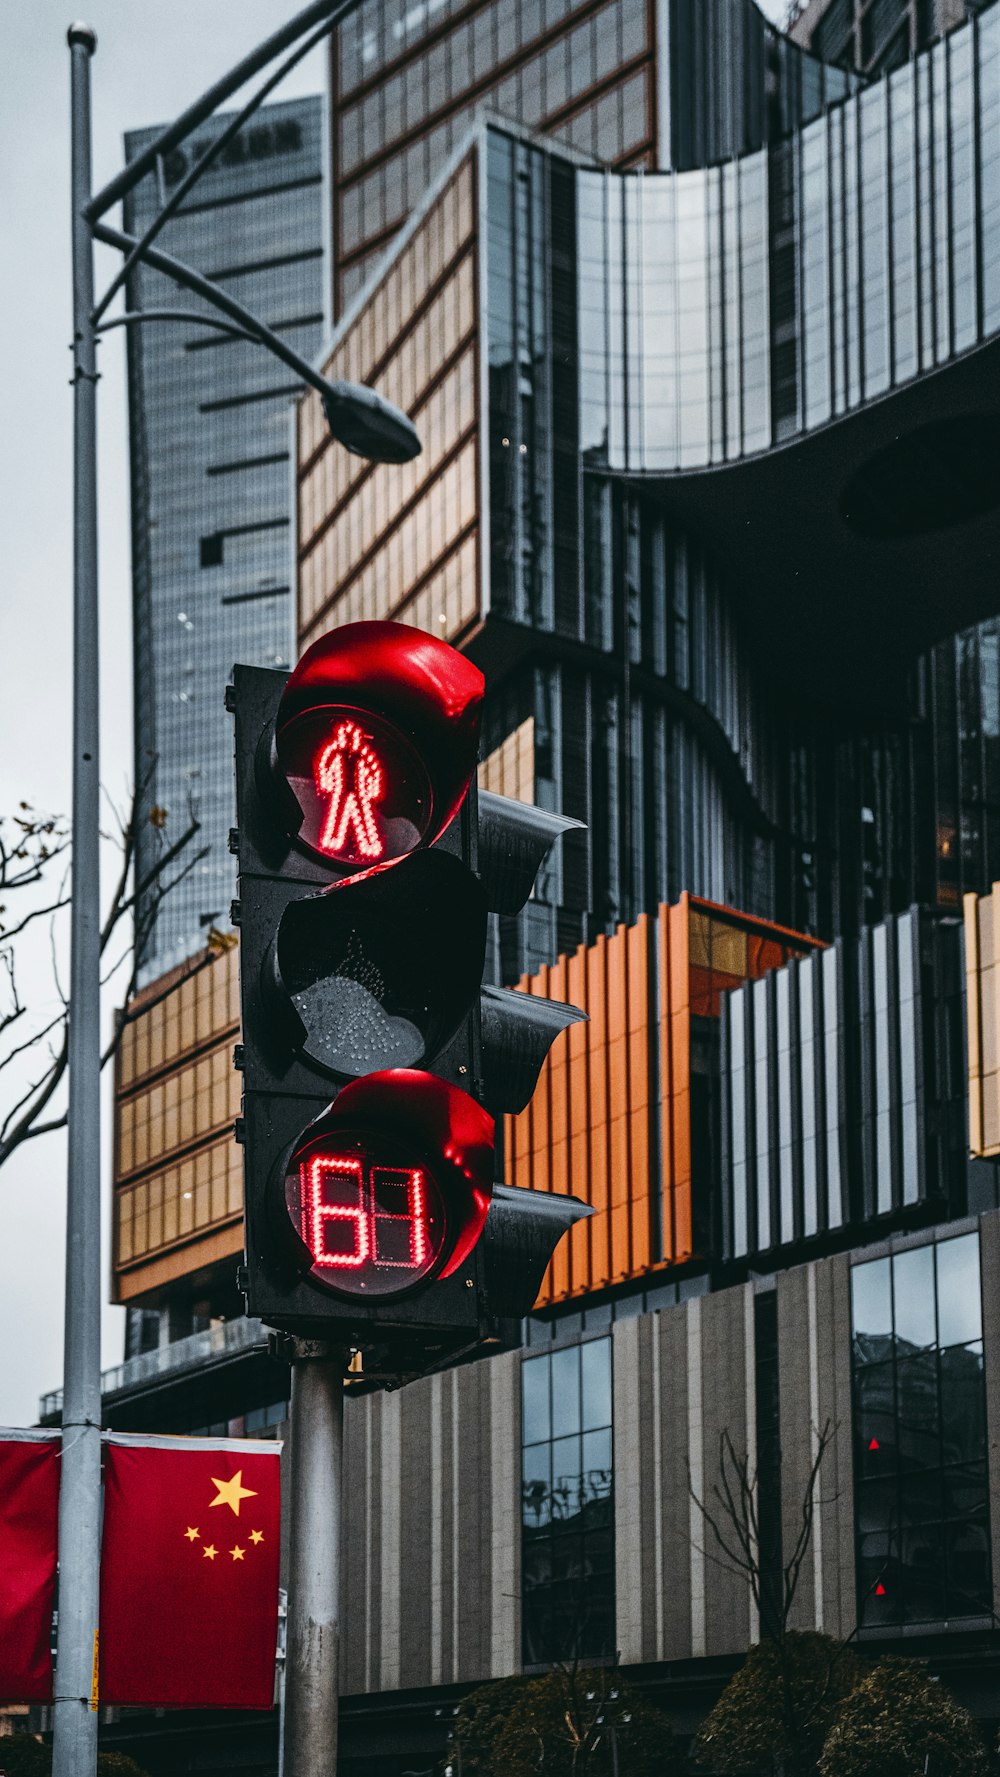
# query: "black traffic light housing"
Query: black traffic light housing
{"points": [[374, 1061]]}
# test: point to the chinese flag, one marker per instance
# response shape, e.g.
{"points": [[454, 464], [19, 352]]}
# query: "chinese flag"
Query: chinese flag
{"points": [[29, 1522], [189, 1572]]}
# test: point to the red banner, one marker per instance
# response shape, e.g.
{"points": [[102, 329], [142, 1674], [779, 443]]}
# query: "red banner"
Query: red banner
{"points": [[29, 1516], [189, 1572]]}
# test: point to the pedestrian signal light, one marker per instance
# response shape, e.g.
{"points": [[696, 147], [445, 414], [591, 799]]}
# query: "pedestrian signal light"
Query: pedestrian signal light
{"points": [[373, 745], [369, 1228], [374, 1058], [389, 1187]]}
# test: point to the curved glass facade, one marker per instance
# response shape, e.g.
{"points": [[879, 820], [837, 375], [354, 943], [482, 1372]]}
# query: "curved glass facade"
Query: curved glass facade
{"points": [[725, 309], [641, 328], [628, 337], [629, 83]]}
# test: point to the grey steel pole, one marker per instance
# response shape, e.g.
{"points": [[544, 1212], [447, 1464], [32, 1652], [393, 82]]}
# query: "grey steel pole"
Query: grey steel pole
{"points": [[75, 1738], [312, 1646]]}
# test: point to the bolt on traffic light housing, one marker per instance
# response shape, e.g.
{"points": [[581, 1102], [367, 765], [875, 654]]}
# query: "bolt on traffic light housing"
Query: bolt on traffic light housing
{"points": [[374, 1060]]}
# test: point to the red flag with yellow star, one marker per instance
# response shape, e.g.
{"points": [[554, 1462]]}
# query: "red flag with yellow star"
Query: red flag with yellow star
{"points": [[29, 1513], [189, 1572]]}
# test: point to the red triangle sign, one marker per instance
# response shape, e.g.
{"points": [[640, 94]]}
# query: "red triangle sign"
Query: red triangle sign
{"points": [[880, 1590], [874, 1445]]}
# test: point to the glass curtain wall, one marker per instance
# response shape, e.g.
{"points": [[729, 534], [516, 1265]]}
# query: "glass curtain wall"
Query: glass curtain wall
{"points": [[567, 1489], [922, 1523]]}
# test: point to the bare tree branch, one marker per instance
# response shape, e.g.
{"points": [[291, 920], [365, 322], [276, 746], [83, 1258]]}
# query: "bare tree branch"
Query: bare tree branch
{"points": [[28, 845], [36, 913], [37, 1036], [731, 1515]]}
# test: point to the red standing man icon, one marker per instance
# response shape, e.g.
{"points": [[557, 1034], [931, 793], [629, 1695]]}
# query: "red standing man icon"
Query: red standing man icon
{"points": [[348, 770]]}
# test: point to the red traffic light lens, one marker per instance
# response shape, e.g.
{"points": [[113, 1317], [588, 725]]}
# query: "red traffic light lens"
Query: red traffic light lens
{"points": [[373, 1225], [389, 1187], [376, 737], [363, 790]]}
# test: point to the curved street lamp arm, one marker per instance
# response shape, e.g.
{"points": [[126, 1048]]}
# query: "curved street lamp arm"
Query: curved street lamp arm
{"points": [[132, 317], [193, 280], [330, 10], [212, 152], [358, 416]]}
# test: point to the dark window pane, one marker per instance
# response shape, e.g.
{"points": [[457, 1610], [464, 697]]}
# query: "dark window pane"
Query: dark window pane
{"points": [[877, 1505], [566, 1390], [536, 1423], [566, 1481], [969, 1580], [567, 1558], [918, 1430], [963, 1406], [595, 1359], [875, 1425], [923, 1579], [536, 1489], [597, 1464], [880, 1586], [871, 1292], [920, 1497], [913, 1295], [959, 1296], [964, 1489]]}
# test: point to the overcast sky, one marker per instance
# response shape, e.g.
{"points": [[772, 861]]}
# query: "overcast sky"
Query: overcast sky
{"points": [[153, 58]]}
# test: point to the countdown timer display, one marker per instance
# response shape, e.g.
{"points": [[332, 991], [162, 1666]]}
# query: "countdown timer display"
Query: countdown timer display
{"points": [[373, 1225]]}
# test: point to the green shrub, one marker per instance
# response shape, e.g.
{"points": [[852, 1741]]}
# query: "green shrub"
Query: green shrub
{"points": [[898, 1721], [518, 1727], [776, 1711], [23, 1756]]}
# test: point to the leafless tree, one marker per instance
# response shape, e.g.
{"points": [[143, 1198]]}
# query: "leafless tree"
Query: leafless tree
{"points": [[731, 1517], [31, 844], [737, 1541]]}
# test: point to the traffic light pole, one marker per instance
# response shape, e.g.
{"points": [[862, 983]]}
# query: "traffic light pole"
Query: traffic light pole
{"points": [[312, 1645], [75, 1737]]}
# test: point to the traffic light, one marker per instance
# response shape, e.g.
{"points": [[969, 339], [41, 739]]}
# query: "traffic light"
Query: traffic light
{"points": [[374, 1060]]}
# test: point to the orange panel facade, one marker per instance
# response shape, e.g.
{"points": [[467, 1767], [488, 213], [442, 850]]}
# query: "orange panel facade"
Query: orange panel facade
{"points": [[178, 1183], [611, 1120]]}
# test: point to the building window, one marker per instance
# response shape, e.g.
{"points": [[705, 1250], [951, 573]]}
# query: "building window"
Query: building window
{"points": [[923, 1542], [568, 1505], [212, 550]]}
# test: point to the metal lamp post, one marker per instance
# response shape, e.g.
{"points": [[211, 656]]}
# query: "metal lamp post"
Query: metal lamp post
{"points": [[369, 426]]}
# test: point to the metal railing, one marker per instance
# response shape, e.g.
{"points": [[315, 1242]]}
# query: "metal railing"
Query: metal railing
{"points": [[227, 1338]]}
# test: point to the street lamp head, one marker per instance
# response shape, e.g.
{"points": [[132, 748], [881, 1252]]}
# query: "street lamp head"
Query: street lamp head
{"points": [[82, 36], [368, 425]]}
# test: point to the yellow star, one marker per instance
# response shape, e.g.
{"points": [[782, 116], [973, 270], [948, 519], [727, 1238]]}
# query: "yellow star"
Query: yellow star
{"points": [[256, 1536], [237, 1553], [210, 1551], [231, 1492], [191, 1534]]}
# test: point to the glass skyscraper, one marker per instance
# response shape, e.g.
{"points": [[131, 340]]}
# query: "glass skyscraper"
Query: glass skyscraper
{"points": [[211, 504]]}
